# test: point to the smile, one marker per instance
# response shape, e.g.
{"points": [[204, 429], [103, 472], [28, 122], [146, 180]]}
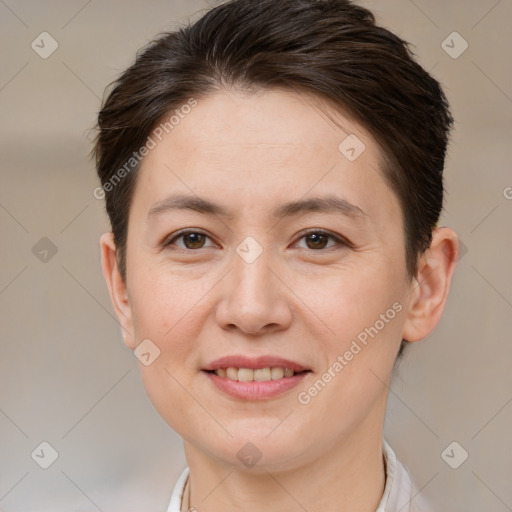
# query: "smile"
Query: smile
{"points": [[258, 374], [254, 378], [246, 378]]}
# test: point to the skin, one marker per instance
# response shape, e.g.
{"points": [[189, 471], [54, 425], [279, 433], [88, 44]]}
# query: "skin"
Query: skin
{"points": [[197, 301]]}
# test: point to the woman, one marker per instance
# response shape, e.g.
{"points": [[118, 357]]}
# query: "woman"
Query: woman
{"points": [[273, 178]]}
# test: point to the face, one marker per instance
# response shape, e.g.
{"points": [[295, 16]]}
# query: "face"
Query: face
{"points": [[266, 278]]}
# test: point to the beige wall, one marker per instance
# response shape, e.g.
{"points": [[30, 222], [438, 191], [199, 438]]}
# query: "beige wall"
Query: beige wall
{"points": [[65, 375]]}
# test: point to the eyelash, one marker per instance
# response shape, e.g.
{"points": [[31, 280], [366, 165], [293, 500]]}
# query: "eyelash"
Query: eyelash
{"points": [[340, 241]]}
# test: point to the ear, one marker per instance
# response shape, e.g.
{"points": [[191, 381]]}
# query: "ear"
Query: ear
{"points": [[429, 289], [117, 288]]}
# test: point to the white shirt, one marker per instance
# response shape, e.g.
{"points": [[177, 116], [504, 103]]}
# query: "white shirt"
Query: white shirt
{"points": [[400, 494]]}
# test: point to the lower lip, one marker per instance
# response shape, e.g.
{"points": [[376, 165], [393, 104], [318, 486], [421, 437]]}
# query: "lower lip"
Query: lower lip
{"points": [[255, 390]]}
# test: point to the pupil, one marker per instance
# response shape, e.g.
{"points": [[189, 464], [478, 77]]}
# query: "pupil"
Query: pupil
{"points": [[317, 237], [196, 239]]}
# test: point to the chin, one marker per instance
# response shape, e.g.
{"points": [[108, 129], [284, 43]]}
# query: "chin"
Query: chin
{"points": [[259, 449]]}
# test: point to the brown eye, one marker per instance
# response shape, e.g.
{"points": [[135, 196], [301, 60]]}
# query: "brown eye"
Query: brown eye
{"points": [[318, 240], [192, 240]]}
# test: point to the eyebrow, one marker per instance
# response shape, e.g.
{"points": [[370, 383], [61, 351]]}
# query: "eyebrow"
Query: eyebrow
{"points": [[326, 204]]}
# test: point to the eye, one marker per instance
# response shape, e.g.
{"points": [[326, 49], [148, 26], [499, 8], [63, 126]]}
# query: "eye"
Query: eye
{"points": [[317, 240], [192, 240]]}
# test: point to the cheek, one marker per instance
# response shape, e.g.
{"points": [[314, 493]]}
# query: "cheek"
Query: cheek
{"points": [[165, 310], [366, 315], [364, 311], [159, 298], [353, 299]]}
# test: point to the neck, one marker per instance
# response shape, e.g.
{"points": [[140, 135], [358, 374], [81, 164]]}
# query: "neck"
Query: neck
{"points": [[349, 476]]}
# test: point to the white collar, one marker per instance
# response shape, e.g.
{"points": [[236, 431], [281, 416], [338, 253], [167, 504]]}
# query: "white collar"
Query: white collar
{"points": [[399, 494]]}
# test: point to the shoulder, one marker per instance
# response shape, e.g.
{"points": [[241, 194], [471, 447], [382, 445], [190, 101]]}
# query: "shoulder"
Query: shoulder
{"points": [[177, 493], [400, 493]]}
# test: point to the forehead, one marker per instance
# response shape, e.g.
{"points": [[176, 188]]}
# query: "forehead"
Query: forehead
{"points": [[267, 122], [258, 146]]}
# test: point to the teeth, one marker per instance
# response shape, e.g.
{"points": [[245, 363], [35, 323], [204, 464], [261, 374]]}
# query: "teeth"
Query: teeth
{"points": [[258, 375], [277, 373], [232, 373], [245, 374], [261, 375]]}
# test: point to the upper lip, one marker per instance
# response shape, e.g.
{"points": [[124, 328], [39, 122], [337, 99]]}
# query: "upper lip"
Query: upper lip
{"points": [[267, 361]]}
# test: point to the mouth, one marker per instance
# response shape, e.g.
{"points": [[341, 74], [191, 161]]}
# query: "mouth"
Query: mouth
{"points": [[254, 379]]}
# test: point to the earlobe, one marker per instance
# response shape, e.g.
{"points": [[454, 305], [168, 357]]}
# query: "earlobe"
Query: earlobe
{"points": [[117, 288], [429, 290]]}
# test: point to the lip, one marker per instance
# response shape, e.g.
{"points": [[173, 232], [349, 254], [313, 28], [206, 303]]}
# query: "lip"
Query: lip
{"points": [[255, 390], [267, 361]]}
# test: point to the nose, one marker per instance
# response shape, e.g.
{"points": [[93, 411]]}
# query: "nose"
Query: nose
{"points": [[255, 299]]}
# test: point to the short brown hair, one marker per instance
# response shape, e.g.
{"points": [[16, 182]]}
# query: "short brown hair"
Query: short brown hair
{"points": [[331, 48]]}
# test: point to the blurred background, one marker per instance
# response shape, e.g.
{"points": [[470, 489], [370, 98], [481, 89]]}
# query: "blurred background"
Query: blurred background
{"points": [[67, 379]]}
